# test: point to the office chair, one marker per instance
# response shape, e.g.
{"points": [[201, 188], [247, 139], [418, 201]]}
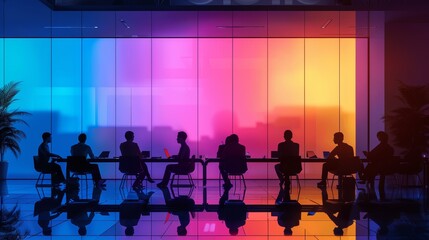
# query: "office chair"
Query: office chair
{"points": [[184, 172], [42, 172]]}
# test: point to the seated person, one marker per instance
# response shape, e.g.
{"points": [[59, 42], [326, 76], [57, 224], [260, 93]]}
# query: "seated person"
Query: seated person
{"points": [[45, 155], [131, 149], [184, 162], [232, 160], [81, 149], [222, 146], [342, 152], [379, 158], [285, 149]]}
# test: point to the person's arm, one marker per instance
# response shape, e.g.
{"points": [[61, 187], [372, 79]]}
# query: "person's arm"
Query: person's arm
{"points": [[90, 153], [333, 153], [48, 153]]}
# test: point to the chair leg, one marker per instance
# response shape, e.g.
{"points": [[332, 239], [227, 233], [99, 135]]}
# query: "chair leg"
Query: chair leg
{"points": [[38, 179], [244, 181], [190, 180], [121, 185]]}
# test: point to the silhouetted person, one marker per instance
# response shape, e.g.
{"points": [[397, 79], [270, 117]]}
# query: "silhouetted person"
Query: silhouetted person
{"points": [[182, 207], [342, 152], [184, 162], [131, 149], [222, 146], [130, 211], [233, 212], [81, 149], [289, 212], [380, 160], [45, 155], [47, 209], [232, 160], [285, 149]]}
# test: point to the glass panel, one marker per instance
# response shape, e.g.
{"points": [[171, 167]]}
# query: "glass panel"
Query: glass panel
{"points": [[29, 61]]}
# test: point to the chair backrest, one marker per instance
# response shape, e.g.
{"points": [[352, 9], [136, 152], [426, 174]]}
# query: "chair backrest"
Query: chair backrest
{"points": [[37, 166], [291, 165], [77, 164], [129, 165]]}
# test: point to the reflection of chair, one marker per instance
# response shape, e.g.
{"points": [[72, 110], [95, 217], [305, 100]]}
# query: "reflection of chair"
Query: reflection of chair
{"points": [[41, 171], [183, 172], [77, 165], [345, 168], [129, 166]]}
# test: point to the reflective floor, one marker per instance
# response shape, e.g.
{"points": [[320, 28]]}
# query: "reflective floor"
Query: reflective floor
{"points": [[261, 210]]}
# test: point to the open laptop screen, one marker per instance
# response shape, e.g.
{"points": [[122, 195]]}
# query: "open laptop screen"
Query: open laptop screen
{"points": [[104, 154], [167, 154]]}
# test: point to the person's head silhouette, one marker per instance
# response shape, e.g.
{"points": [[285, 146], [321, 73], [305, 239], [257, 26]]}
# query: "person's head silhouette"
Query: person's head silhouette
{"points": [[338, 231], [129, 231], [129, 136], [382, 137], [338, 137], [82, 231], [82, 138], [287, 231], [287, 135], [47, 231], [181, 137], [181, 231], [233, 231], [234, 138], [46, 136]]}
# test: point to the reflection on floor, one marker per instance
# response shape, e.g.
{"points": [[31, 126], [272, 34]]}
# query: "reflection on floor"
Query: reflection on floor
{"points": [[261, 211]]}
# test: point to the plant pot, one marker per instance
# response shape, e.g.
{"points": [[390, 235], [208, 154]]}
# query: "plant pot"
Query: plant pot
{"points": [[3, 170]]}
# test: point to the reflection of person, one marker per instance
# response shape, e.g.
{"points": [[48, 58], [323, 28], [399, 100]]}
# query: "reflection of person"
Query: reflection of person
{"points": [[182, 207], [342, 152], [379, 158], [346, 212], [289, 212], [233, 212], [44, 209], [83, 150], [285, 149], [184, 162], [131, 210], [232, 159], [131, 149], [44, 157]]}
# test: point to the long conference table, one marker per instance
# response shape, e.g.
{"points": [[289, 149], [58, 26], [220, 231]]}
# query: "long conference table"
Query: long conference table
{"points": [[204, 163]]}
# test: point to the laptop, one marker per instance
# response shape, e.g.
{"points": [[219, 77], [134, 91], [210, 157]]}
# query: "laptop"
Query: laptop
{"points": [[167, 154], [311, 154], [104, 154], [326, 154], [274, 154], [145, 154]]}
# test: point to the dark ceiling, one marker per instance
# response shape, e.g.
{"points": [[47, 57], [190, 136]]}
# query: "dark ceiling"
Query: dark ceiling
{"points": [[313, 5]]}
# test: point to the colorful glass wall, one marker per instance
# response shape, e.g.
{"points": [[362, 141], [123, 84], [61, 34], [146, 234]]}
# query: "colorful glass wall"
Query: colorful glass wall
{"points": [[208, 87]]}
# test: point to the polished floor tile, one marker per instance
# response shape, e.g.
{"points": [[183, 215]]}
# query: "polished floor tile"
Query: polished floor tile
{"points": [[261, 210]]}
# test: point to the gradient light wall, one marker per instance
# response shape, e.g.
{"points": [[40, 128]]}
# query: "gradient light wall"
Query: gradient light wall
{"points": [[208, 87]]}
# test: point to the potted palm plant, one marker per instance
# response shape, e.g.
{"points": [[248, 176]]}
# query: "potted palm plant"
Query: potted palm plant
{"points": [[9, 134], [409, 124], [10, 224]]}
